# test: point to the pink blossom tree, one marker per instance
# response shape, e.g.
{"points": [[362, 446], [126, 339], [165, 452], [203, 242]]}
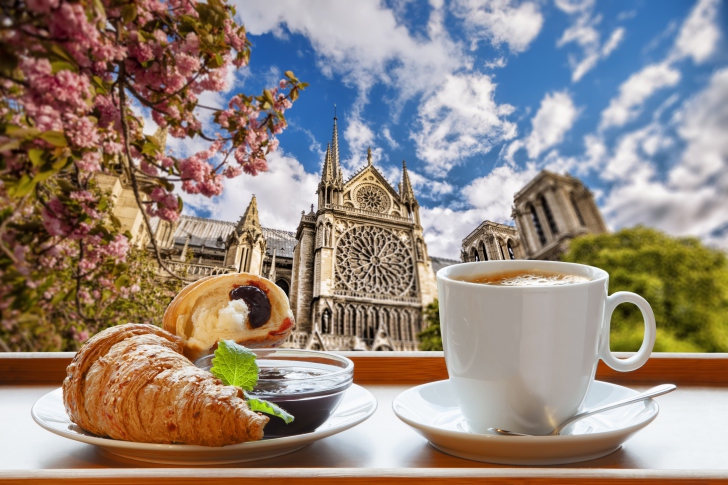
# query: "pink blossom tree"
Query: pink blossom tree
{"points": [[75, 77]]}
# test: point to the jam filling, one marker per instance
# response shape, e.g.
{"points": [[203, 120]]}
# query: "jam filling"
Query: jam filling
{"points": [[257, 301]]}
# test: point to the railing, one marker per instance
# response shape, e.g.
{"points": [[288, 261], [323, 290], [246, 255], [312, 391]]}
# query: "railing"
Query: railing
{"points": [[364, 212], [372, 296], [193, 269]]}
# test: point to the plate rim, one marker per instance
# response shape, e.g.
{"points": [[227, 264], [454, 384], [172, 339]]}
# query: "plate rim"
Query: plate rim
{"points": [[598, 436], [286, 441]]}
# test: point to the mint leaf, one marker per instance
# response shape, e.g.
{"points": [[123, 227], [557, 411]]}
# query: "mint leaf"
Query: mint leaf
{"points": [[263, 406], [235, 365]]}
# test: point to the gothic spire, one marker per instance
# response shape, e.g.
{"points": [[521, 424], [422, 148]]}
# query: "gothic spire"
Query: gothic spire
{"points": [[328, 174], [250, 217], [335, 147], [406, 192]]}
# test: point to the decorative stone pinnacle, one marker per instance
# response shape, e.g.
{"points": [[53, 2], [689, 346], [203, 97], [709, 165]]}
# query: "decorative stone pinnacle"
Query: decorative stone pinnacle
{"points": [[369, 156]]}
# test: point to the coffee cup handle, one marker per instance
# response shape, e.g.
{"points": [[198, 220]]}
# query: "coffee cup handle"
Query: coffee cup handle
{"points": [[638, 359]]}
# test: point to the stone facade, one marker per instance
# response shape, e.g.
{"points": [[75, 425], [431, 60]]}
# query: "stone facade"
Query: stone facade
{"points": [[361, 272], [356, 270], [553, 209], [549, 212], [492, 241]]}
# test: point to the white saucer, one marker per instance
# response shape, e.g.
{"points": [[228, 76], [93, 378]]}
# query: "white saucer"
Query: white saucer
{"points": [[356, 406], [432, 410]]}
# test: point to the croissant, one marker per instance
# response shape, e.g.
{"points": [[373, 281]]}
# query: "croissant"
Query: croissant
{"points": [[248, 309], [131, 382]]}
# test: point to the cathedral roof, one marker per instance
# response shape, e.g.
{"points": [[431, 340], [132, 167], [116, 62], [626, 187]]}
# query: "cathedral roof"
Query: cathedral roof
{"points": [[212, 233], [439, 263]]}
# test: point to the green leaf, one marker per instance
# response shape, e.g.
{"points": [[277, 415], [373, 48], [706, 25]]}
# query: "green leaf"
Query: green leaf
{"points": [[150, 149], [235, 365], [24, 186], [58, 66], [263, 406], [128, 13], [122, 281], [36, 156], [55, 138]]}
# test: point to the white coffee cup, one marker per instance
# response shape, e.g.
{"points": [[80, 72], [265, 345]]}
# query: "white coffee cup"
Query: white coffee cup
{"points": [[522, 357]]}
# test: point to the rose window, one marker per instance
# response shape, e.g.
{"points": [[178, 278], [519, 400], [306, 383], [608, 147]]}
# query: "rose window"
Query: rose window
{"points": [[372, 198], [374, 260]]}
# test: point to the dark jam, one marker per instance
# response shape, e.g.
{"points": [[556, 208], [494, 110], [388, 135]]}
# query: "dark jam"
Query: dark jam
{"points": [[257, 302], [310, 403]]}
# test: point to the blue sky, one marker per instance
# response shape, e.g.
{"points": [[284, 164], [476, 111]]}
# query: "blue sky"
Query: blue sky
{"points": [[479, 95]]}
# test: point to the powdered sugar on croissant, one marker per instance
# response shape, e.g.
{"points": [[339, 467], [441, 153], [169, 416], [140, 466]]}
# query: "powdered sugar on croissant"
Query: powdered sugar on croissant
{"points": [[132, 383], [248, 309]]}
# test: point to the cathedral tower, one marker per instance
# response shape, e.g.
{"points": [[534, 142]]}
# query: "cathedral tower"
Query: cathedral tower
{"points": [[360, 268], [553, 209], [246, 245]]}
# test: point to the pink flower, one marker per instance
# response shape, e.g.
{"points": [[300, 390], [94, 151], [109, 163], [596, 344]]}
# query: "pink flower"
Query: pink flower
{"points": [[42, 6], [90, 162]]}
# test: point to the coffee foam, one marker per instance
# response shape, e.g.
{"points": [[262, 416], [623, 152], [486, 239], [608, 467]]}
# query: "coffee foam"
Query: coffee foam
{"points": [[543, 280]]}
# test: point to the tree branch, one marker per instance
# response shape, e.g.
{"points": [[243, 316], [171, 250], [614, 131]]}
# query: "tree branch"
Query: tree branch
{"points": [[125, 133]]}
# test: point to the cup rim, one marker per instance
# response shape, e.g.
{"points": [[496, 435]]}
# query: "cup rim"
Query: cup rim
{"points": [[600, 275]]}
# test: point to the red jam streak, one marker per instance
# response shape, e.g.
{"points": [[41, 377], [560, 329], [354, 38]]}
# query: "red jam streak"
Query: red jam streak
{"points": [[257, 302]]}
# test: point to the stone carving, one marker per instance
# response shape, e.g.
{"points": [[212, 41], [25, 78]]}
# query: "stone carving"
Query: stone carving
{"points": [[373, 260], [372, 198]]}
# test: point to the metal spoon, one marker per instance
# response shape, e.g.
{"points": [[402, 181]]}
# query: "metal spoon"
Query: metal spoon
{"points": [[654, 392]]}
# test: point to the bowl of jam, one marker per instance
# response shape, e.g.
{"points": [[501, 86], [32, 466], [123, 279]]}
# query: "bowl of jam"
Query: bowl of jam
{"points": [[306, 383]]}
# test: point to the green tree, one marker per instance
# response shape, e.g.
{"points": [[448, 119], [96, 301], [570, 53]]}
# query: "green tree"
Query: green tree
{"points": [[685, 282], [430, 338]]}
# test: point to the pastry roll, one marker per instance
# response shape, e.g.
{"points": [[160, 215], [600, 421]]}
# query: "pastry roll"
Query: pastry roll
{"points": [[248, 309]]}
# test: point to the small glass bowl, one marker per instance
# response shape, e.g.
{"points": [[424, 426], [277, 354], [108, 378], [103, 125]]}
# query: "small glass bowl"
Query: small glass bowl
{"points": [[306, 383]]}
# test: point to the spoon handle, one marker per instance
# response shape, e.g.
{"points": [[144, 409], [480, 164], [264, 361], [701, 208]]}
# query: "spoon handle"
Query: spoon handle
{"points": [[655, 391]]}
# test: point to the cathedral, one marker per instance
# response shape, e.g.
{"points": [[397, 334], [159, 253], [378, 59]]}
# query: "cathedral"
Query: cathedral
{"points": [[356, 269], [549, 212], [361, 272]]}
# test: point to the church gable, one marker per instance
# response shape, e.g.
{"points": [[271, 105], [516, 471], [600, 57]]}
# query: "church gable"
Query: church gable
{"points": [[369, 190]]}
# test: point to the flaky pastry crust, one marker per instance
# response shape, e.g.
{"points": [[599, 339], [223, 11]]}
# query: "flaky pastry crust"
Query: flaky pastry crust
{"points": [[131, 382], [213, 292]]}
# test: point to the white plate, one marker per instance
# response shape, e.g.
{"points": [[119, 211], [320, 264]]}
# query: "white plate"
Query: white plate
{"points": [[432, 410], [356, 406]]}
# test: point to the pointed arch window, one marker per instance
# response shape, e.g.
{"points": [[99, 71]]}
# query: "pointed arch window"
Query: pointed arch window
{"points": [[576, 209], [500, 247], [549, 216], [474, 255], [537, 225], [485, 253], [511, 254]]}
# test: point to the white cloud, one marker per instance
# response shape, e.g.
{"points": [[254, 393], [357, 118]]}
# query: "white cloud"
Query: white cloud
{"points": [[627, 105], [584, 33], [459, 120], [500, 22], [362, 41], [490, 198], [496, 63], [554, 118], [705, 127], [388, 137], [693, 198], [426, 188], [359, 138], [286, 176], [493, 194], [699, 35], [697, 39]]}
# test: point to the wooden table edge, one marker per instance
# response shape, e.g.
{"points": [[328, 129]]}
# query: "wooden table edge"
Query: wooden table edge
{"points": [[409, 368]]}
